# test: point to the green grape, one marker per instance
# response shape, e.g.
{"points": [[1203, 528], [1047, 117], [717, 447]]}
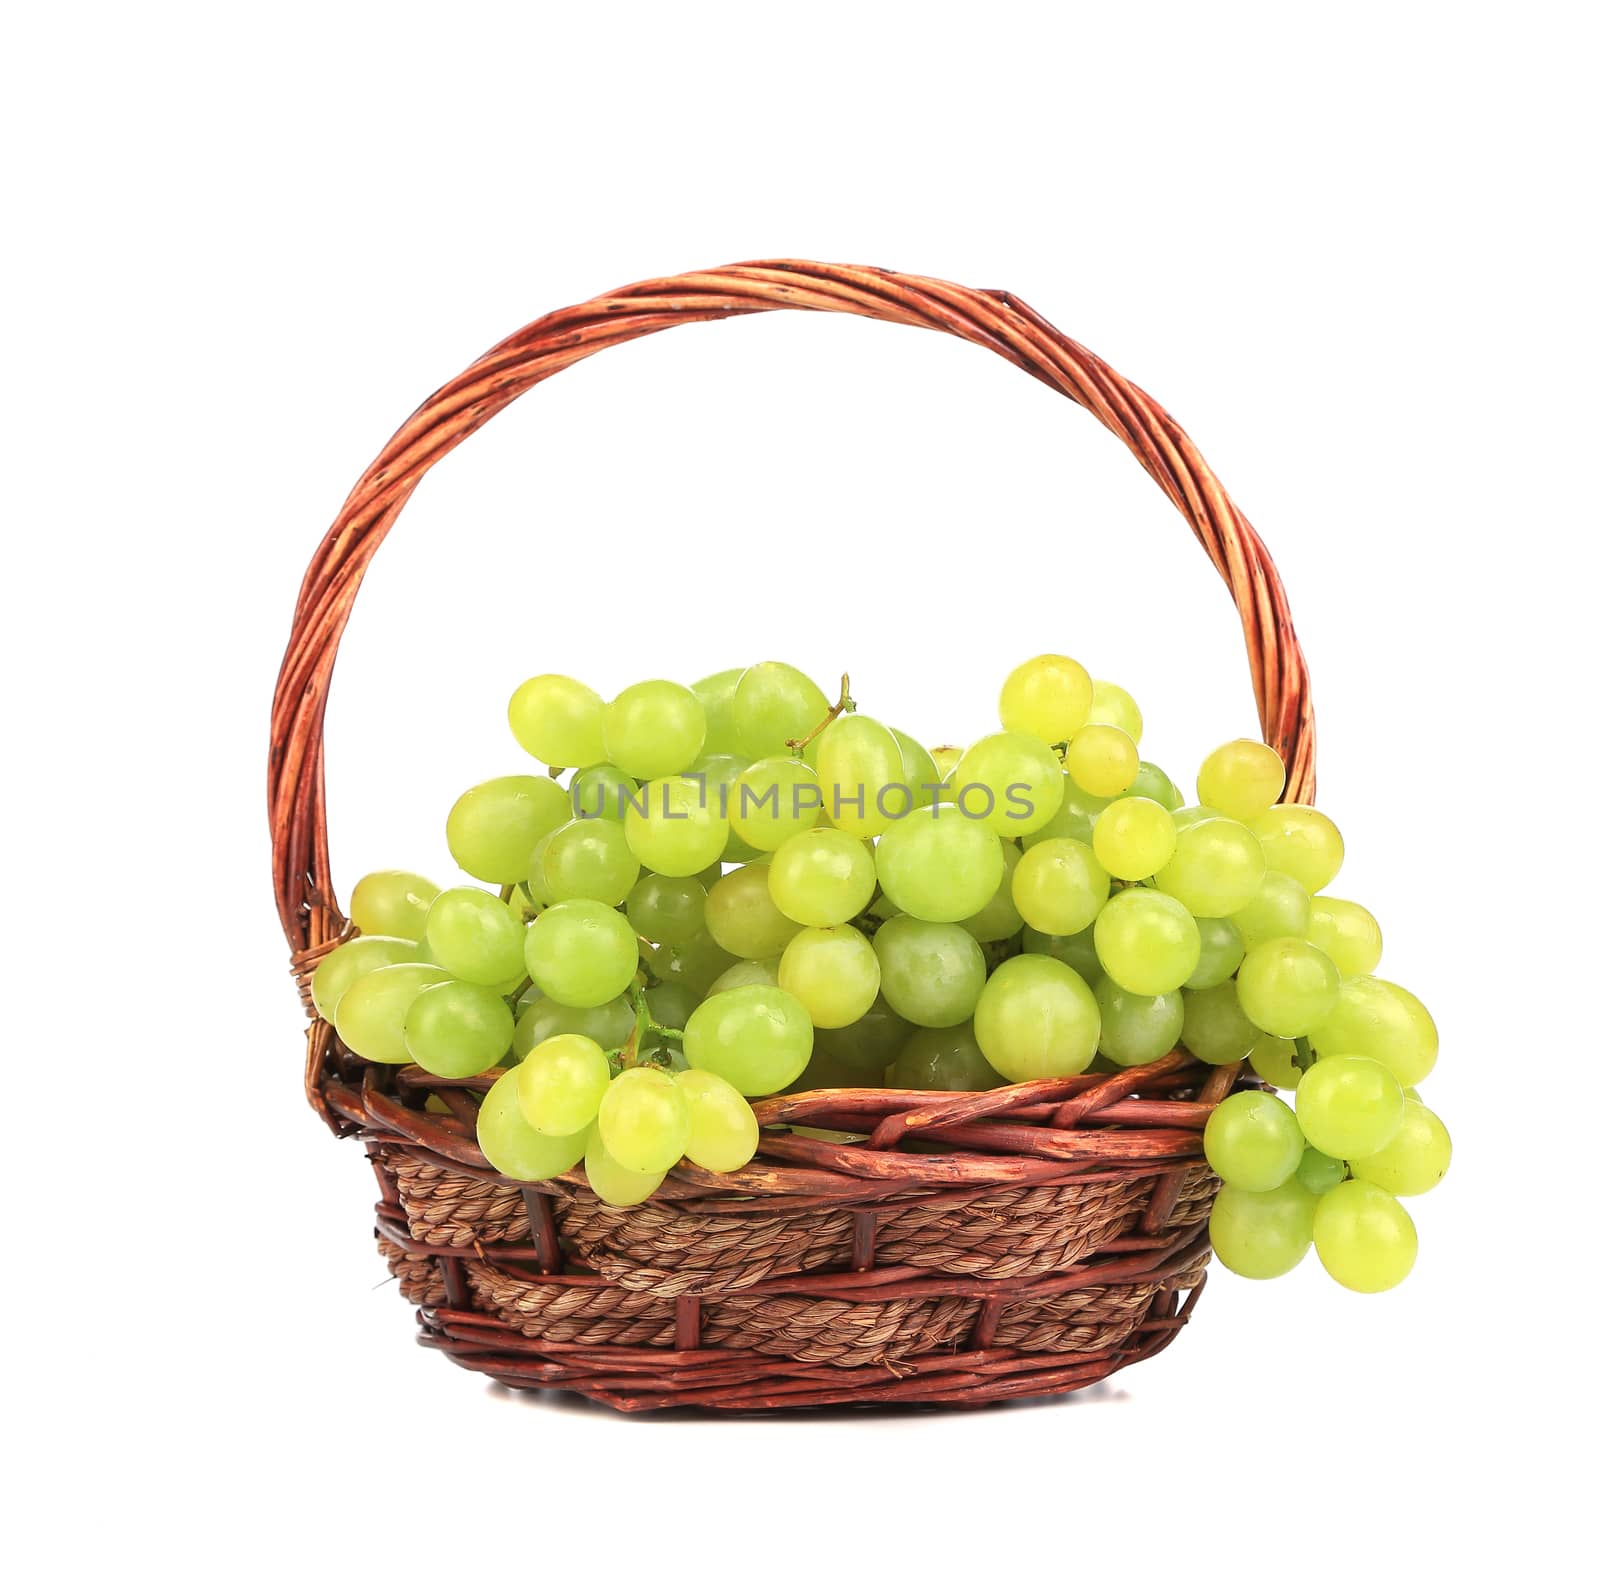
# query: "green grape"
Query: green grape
{"points": [[1103, 760], [1184, 817], [476, 936], [774, 799], [1111, 705], [611, 1182], [557, 720], [603, 791], [492, 829], [1146, 941], [675, 830], [1347, 932], [1059, 887], [1287, 987], [1262, 1234], [436, 1105], [693, 963], [822, 877], [1413, 1161], [1241, 779], [371, 1015], [742, 917], [998, 919], [709, 875], [945, 758], [932, 974], [521, 902], [644, 1120], [1365, 1238], [345, 964], [1253, 1141], [862, 775], [1009, 783], [512, 1145], [1221, 952], [1276, 1060], [774, 704], [1073, 820], [749, 971], [456, 1030], [1153, 781], [1134, 837], [1216, 868], [1349, 1106], [714, 778], [716, 698], [581, 952], [1301, 842], [1076, 951], [758, 1039], [1215, 1028], [943, 1059], [938, 865], [608, 1025], [824, 1072], [536, 886], [1137, 1029], [872, 1041], [561, 1082], [1036, 1019], [654, 728], [922, 774], [1280, 909], [1375, 1018], [667, 911], [392, 903], [1048, 697], [1319, 1173], [723, 1133], [833, 973], [670, 1004]]}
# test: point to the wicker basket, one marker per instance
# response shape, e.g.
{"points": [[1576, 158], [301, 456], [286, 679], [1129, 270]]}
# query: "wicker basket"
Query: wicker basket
{"points": [[973, 1248]]}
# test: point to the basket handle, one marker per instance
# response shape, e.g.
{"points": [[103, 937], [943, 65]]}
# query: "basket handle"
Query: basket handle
{"points": [[995, 320]]}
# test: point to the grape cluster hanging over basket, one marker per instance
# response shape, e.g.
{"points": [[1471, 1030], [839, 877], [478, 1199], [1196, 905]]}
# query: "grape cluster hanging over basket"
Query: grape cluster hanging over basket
{"points": [[551, 1083]]}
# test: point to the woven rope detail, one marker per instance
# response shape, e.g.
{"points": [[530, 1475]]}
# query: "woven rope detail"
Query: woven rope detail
{"points": [[1084, 1319], [444, 1208], [569, 1315], [837, 1332], [417, 1276]]}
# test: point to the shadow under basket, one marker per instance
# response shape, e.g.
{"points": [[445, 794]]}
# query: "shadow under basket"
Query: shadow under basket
{"points": [[957, 1249]]}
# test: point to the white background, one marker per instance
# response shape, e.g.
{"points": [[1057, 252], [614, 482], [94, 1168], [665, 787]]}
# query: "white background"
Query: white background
{"points": [[1351, 249]]}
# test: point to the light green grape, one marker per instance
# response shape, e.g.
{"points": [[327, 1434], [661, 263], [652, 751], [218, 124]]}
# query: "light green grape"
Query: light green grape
{"points": [[371, 1015], [1184, 817], [1253, 1141], [825, 1072], [872, 1041], [862, 775], [822, 877], [1076, 951], [561, 1082], [938, 865], [557, 720], [1153, 781], [1103, 759], [1318, 1172], [611, 1182], [1365, 1238], [943, 1059], [1241, 779], [998, 918], [644, 1120], [589, 858], [1414, 1160], [1279, 909], [759, 1039], [774, 704], [1215, 1028], [670, 1004], [1036, 1019], [833, 973], [723, 1133], [715, 778], [1111, 705], [932, 974], [1349, 1106], [1301, 842], [392, 903], [1347, 932], [716, 698], [1221, 952], [608, 1024], [475, 936], [492, 829], [1137, 1029], [1276, 1060], [654, 728], [945, 758], [581, 952], [456, 1030], [1146, 941], [667, 911], [693, 963], [1048, 697], [1262, 1234], [1009, 783], [1134, 837], [345, 964], [512, 1145], [675, 830], [603, 791], [748, 971], [922, 774], [742, 917], [1059, 887], [774, 799], [1216, 868], [1287, 987], [1074, 820], [1375, 1018]]}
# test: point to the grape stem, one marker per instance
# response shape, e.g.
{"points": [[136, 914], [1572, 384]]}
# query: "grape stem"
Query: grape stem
{"points": [[1303, 1053], [845, 705], [629, 1053]]}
